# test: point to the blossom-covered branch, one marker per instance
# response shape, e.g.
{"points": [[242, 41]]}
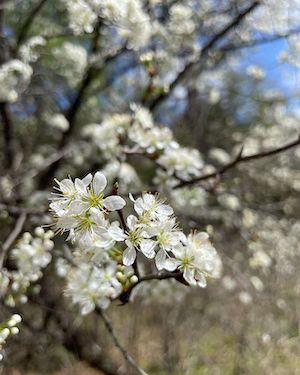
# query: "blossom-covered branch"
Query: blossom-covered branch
{"points": [[203, 54]]}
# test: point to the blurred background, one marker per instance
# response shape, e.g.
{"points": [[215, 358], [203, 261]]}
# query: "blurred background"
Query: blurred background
{"points": [[223, 77]]}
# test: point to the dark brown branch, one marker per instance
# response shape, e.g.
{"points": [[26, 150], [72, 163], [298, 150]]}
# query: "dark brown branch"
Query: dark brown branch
{"points": [[258, 42], [240, 159], [12, 237], [7, 135], [28, 22], [211, 44], [4, 112], [125, 296]]}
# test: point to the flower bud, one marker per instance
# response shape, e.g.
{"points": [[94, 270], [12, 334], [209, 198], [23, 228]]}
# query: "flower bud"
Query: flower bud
{"points": [[134, 279]]}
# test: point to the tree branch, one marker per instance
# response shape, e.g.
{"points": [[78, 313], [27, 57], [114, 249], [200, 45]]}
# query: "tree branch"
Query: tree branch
{"points": [[125, 296], [258, 42], [7, 135], [28, 22], [116, 341], [240, 159], [12, 237], [210, 44]]}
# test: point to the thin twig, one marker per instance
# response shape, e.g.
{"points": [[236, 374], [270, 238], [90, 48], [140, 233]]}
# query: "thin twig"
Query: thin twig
{"points": [[12, 237], [21, 210], [177, 275], [7, 135], [116, 341], [239, 159]]}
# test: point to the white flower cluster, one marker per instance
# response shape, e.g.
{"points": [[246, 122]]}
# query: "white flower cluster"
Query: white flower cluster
{"points": [[132, 23], [15, 76], [121, 134], [31, 254], [8, 328], [71, 60], [105, 252], [80, 209], [29, 51], [185, 163], [106, 136], [90, 286], [81, 16], [154, 232]]}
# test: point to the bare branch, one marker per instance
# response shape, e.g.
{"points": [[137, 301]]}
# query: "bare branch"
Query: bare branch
{"points": [[240, 159], [116, 341], [7, 135], [21, 210], [177, 275], [12, 237], [257, 42]]}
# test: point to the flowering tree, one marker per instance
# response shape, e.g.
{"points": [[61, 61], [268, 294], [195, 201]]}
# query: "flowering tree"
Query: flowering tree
{"points": [[135, 111]]}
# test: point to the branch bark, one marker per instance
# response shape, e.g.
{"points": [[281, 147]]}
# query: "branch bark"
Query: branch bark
{"points": [[12, 237], [240, 159]]}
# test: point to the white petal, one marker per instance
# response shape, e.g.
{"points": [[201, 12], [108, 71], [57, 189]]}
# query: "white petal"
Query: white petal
{"points": [[131, 197], [66, 185], [87, 179], [116, 232], [139, 206], [171, 264], [129, 256], [201, 281], [147, 248], [165, 210], [99, 182], [87, 308], [160, 259], [98, 217], [114, 202], [80, 186], [131, 222], [188, 275]]}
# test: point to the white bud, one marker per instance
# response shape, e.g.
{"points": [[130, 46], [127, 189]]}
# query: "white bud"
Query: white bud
{"points": [[39, 231], [14, 330], [17, 318], [134, 279]]}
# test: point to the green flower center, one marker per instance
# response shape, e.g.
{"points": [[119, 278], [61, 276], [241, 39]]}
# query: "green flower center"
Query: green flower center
{"points": [[163, 238], [135, 237], [95, 200]]}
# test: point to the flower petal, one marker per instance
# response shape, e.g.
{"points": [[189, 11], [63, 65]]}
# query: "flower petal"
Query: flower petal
{"points": [[87, 179], [147, 248], [129, 256], [80, 186], [99, 182], [160, 259], [188, 275], [113, 203]]}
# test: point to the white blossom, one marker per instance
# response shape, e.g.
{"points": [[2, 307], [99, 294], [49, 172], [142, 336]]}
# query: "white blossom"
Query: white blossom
{"points": [[90, 286], [15, 76], [81, 16], [197, 258]]}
